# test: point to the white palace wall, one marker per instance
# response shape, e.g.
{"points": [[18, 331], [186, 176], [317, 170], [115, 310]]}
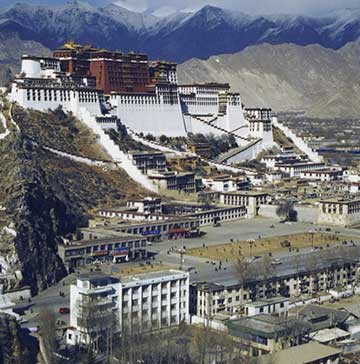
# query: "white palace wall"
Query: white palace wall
{"points": [[147, 114]]}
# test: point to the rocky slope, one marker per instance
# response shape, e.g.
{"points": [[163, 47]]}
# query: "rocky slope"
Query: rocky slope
{"points": [[179, 36], [12, 47], [15, 346], [47, 197], [288, 77]]}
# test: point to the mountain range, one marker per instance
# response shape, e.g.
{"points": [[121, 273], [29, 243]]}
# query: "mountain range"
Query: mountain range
{"points": [[319, 81], [178, 36]]}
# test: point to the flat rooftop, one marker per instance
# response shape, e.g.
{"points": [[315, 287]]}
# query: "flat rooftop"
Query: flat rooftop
{"points": [[162, 274], [341, 200], [269, 301], [300, 354], [106, 236]]}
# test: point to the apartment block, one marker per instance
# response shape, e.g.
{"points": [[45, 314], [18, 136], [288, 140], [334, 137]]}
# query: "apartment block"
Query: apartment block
{"points": [[144, 302]]}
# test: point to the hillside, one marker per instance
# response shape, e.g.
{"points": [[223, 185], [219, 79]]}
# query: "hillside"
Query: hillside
{"points": [[12, 47], [47, 196], [288, 77], [16, 346], [179, 36]]}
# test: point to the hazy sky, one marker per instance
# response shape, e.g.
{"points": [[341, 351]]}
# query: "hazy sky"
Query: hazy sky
{"points": [[310, 7]]}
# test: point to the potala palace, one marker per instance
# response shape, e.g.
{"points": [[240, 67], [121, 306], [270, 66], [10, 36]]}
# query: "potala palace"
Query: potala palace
{"points": [[144, 95]]}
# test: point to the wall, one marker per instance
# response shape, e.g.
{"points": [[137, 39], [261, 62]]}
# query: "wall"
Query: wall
{"points": [[305, 214], [115, 152], [300, 143], [154, 118]]}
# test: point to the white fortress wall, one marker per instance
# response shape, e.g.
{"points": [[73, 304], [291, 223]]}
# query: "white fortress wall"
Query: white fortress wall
{"points": [[299, 142], [43, 99], [149, 114], [114, 151]]}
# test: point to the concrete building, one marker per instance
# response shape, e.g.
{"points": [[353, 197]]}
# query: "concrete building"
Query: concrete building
{"points": [[145, 302], [227, 295], [271, 306], [175, 181], [264, 334], [172, 228], [323, 175], [147, 205], [339, 212], [146, 161], [226, 183], [295, 169], [100, 246], [201, 149], [309, 353]]}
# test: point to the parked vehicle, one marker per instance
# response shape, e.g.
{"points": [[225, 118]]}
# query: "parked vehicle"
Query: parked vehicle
{"points": [[64, 310]]}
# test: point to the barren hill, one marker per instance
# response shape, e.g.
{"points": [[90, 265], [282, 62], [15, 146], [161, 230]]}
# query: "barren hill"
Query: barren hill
{"points": [[323, 82]]}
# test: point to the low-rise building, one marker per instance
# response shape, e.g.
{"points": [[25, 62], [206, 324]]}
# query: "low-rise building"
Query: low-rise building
{"points": [[171, 228], [264, 334], [309, 353], [201, 149], [148, 160], [228, 295], [144, 302], [296, 168], [147, 205], [175, 181], [274, 305], [99, 245], [339, 212], [323, 175], [251, 199], [226, 183]]}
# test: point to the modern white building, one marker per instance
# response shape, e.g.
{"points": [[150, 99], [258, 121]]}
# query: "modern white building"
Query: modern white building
{"points": [[145, 302]]}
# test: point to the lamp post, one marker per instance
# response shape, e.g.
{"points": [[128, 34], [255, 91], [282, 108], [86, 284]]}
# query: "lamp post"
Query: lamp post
{"points": [[312, 232], [251, 242]]}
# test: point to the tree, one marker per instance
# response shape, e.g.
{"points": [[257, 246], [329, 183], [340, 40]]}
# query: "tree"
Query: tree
{"points": [[205, 199], [286, 211], [244, 271], [163, 139], [48, 334]]}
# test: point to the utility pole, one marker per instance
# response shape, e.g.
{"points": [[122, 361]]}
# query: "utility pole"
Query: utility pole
{"points": [[181, 252]]}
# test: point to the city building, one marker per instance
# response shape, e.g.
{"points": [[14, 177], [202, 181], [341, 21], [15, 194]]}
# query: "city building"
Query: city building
{"points": [[251, 199], [294, 169], [201, 149], [148, 160], [339, 212], [172, 228], [263, 334], [102, 246], [227, 295], [147, 205], [226, 183], [145, 302], [308, 353], [175, 181], [323, 175], [271, 306]]}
